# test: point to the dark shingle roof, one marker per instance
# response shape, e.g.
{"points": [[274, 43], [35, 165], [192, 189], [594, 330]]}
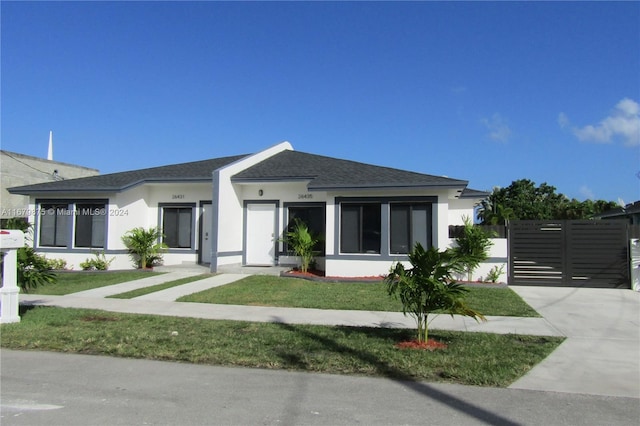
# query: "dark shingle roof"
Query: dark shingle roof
{"points": [[114, 182], [332, 173], [474, 193], [324, 173]]}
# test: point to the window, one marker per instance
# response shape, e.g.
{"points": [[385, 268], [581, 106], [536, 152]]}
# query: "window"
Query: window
{"points": [[54, 224], [72, 223], [90, 225], [409, 224], [360, 228], [314, 217], [176, 226]]}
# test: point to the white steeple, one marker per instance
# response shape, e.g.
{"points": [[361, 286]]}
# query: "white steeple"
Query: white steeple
{"points": [[50, 153]]}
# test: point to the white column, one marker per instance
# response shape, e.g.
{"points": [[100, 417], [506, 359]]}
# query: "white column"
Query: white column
{"points": [[9, 291]]}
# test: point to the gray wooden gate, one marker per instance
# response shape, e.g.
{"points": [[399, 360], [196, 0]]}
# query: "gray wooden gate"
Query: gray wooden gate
{"points": [[574, 253]]}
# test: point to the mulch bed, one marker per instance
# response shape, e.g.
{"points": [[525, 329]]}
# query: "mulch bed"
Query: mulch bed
{"points": [[319, 276], [429, 345]]}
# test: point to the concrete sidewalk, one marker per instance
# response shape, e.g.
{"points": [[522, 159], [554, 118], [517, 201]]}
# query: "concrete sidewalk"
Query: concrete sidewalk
{"points": [[500, 325], [601, 355]]}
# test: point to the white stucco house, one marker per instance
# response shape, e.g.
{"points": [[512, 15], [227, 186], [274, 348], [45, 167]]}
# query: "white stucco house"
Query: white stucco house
{"points": [[233, 210]]}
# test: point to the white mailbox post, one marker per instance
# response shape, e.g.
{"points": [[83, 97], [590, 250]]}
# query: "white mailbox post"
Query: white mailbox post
{"points": [[10, 242]]}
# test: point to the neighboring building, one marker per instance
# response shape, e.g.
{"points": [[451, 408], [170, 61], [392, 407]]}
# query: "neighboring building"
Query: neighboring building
{"points": [[234, 210], [19, 169], [631, 212]]}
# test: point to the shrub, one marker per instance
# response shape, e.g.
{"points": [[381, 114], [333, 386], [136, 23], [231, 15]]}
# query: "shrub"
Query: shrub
{"points": [[57, 264], [144, 246], [99, 263], [472, 248], [494, 274], [33, 269]]}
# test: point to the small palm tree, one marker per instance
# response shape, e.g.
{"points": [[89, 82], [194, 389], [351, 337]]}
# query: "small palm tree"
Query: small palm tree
{"points": [[472, 247], [144, 246], [301, 242], [428, 287]]}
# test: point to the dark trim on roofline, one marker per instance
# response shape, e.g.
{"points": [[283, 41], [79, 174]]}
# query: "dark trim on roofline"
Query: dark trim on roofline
{"points": [[390, 186], [113, 189], [272, 180]]}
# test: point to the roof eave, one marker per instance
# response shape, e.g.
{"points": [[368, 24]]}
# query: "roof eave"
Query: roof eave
{"points": [[16, 190], [271, 180], [384, 186]]}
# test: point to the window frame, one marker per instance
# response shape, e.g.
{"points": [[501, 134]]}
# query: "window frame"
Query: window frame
{"points": [[362, 228], [430, 201], [69, 211], [98, 219], [411, 228], [192, 222], [62, 212], [321, 245]]}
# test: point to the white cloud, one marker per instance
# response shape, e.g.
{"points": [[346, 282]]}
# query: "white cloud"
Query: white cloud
{"points": [[563, 120], [623, 123], [586, 192], [498, 128]]}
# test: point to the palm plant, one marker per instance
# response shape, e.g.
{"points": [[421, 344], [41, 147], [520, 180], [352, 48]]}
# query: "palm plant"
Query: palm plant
{"points": [[33, 269], [428, 287], [144, 246], [472, 247], [300, 240]]}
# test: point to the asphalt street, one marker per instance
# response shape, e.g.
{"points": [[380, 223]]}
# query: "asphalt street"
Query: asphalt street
{"points": [[44, 388]]}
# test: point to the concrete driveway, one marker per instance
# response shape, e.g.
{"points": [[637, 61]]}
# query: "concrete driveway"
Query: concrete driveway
{"points": [[601, 355]]}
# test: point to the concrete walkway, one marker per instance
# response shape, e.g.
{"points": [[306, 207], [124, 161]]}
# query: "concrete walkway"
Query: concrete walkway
{"points": [[601, 355]]}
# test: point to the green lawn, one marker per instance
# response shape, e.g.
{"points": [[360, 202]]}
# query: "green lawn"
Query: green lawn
{"points": [[265, 290], [471, 358], [152, 289], [71, 282]]}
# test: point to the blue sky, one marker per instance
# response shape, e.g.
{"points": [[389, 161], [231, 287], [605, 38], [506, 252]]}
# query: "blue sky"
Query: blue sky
{"points": [[489, 92]]}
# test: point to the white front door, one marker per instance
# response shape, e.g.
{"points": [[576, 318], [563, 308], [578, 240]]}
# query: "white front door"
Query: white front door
{"points": [[260, 243], [205, 236]]}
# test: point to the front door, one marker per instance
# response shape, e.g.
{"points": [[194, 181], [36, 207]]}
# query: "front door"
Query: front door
{"points": [[205, 234], [260, 236]]}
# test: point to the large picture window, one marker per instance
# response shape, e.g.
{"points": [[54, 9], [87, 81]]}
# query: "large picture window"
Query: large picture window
{"points": [[90, 225], [314, 217], [360, 228], [54, 225], [69, 223], [409, 224], [176, 226]]}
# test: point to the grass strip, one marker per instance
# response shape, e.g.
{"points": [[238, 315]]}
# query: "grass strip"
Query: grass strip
{"points": [[71, 282], [265, 290], [481, 359], [152, 289]]}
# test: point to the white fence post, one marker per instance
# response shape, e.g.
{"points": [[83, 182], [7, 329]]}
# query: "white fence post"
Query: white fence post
{"points": [[10, 242], [635, 264]]}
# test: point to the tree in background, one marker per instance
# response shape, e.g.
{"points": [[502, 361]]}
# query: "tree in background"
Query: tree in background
{"points": [[524, 200]]}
